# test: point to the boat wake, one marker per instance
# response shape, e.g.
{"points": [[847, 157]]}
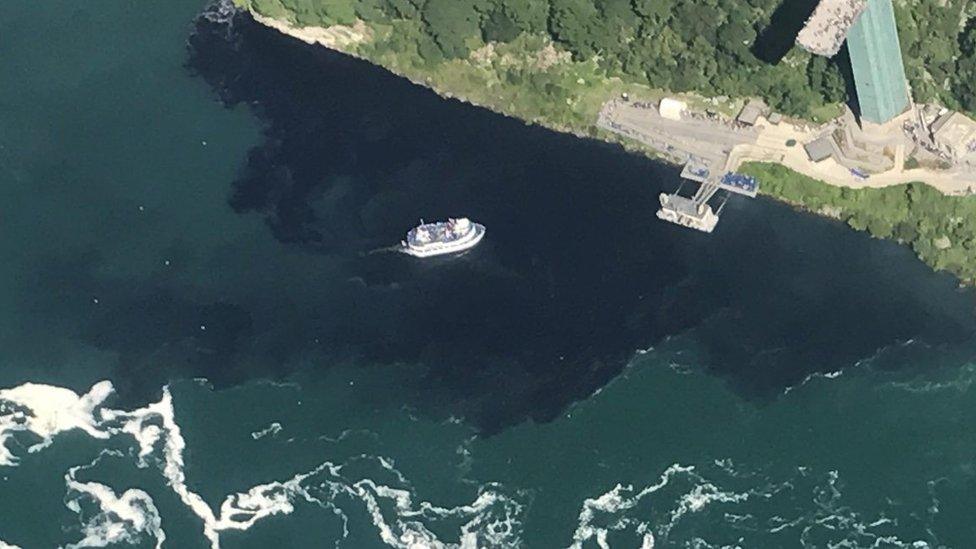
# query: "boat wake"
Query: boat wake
{"points": [[384, 250]]}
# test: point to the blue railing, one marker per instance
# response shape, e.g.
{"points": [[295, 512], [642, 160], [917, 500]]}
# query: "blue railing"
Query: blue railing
{"points": [[739, 181]]}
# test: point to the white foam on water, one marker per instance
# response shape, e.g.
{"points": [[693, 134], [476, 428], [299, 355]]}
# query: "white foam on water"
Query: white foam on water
{"points": [[612, 504], [52, 410], [140, 424], [242, 510], [271, 430], [122, 518], [960, 383], [686, 501], [5, 545], [411, 534], [805, 509], [492, 519], [390, 466], [813, 502], [46, 411], [157, 424], [701, 496], [810, 377]]}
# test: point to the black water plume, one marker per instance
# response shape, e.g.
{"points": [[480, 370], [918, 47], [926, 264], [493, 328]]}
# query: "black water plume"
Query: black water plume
{"points": [[575, 272]]}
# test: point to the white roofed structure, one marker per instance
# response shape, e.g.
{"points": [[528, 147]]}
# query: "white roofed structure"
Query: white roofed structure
{"points": [[671, 109], [955, 134]]}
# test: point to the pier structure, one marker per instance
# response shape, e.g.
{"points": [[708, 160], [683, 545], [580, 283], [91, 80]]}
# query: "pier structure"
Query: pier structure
{"points": [[701, 143], [696, 212]]}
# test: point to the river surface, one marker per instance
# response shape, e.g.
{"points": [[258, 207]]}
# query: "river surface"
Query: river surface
{"points": [[204, 341]]}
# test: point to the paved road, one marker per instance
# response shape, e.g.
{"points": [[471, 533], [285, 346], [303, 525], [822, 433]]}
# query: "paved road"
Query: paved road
{"points": [[725, 147], [709, 140]]}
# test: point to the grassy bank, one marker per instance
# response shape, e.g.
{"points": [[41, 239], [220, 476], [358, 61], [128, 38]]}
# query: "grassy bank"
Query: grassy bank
{"points": [[939, 228], [529, 77]]}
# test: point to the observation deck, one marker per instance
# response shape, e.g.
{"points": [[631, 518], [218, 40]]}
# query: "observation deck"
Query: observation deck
{"points": [[827, 28]]}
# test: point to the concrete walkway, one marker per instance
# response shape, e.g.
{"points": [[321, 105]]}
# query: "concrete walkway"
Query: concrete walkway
{"points": [[771, 147], [719, 142]]}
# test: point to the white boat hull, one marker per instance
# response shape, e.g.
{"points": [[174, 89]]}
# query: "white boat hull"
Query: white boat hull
{"points": [[436, 249]]}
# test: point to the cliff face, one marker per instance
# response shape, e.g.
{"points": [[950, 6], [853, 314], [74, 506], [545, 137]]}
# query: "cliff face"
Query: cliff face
{"points": [[344, 38]]}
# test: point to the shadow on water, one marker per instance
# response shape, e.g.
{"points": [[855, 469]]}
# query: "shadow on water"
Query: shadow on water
{"points": [[574, 275]]}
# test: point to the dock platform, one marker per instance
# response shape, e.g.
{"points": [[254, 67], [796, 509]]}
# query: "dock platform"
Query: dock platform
{"points": [[703, 147], [687, 212], [696, 212]]}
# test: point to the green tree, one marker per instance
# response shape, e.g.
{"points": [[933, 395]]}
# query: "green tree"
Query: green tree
{"points": [[528, 15], [965, 77], [824, 77], [404, 9], [697, 19], [655, 12], [735, 37], [451, 23], [499, 27], [573, 22], [617, 11]]}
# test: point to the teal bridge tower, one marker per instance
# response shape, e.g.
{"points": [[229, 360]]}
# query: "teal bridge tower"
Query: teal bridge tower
{"points": [[879, 72], [872, 40]]}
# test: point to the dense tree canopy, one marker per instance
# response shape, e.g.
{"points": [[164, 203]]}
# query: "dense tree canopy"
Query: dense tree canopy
{"points": [[965, 77], [708, 46]]}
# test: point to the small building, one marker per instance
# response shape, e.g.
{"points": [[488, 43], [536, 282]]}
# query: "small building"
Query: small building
{"points": [[687, 212], [775, 118], [955, 134], [671, 109], [750, 114], [820, 149]]}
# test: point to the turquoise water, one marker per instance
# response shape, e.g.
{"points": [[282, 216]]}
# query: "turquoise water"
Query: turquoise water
{"points": [[198, 219]]}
